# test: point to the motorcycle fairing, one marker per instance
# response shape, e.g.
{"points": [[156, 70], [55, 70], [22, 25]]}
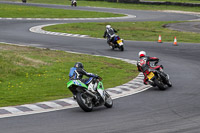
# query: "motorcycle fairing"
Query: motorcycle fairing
{"points": [[100, 90], [76, 83]]}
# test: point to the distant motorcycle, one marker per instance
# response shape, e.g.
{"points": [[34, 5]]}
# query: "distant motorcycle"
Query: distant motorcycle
{"points": [[74, 3], [117, 43], [24, 1], [87, 99], [158, 78]]}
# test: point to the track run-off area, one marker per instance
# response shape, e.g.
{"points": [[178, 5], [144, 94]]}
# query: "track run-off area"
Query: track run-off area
{"points": [[151, 111]]}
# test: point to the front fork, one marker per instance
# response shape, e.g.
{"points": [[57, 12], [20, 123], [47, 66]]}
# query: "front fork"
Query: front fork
{"points": [[164, 76]]}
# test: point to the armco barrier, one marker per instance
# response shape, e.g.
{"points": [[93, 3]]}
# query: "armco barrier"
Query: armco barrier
{"points": [[170, 3], [153, 2]]}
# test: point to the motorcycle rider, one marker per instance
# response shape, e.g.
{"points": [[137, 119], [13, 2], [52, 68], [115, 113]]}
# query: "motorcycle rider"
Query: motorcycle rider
{"points": [[73, 2], [23, 1], [143, 64], [77, 72], [109, 33]]}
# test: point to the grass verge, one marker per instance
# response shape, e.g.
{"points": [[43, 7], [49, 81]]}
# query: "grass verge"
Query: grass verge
{"points": [[117, 5], [137, 31], [16, 11], [29, 75]]}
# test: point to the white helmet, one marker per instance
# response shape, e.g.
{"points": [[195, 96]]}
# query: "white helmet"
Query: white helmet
{"points": [[142, 54], [108, 26]]}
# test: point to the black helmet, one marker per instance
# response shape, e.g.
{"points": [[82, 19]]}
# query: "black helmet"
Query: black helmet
{"points": [[78, 65]]}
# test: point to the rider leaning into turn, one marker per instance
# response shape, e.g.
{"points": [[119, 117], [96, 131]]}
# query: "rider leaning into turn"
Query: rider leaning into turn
{"points": [[77, 72], [143, 64], [108, 33]]}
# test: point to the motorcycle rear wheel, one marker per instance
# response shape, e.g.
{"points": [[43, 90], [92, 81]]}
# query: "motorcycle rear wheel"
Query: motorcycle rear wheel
{"points": [[121, 48], [84, 102]]}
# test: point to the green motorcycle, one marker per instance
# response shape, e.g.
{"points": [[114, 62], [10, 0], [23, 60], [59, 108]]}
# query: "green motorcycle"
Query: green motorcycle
{"points": [[87, 99]]}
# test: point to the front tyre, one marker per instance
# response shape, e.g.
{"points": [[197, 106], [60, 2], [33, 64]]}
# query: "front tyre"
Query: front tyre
{"points": [[109, 101], [160, 85], [84, 102], [169, 83]]}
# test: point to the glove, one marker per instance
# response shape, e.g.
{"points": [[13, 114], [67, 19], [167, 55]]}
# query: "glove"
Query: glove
{"points": [[156, 62], [97, 76]]}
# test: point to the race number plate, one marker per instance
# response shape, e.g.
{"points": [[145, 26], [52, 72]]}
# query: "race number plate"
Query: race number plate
{"points": [[119, 41], [150, 75]]}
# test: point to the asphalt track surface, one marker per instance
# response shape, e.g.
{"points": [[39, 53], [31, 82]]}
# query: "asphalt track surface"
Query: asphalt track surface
{"points": [[174, 110], [186, 26]]}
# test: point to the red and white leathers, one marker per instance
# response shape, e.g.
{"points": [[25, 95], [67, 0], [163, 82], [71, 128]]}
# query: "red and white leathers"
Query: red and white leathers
{"points": [[143, 65]]}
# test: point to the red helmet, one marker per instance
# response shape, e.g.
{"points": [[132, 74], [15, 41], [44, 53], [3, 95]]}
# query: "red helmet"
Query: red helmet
{"points": [[142, 54]]}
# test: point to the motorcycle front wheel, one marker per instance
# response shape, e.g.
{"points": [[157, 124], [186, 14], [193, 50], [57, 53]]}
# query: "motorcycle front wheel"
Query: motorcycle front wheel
{"points": [[84, 102], [160, 85], [169, 83], [109, 101]]}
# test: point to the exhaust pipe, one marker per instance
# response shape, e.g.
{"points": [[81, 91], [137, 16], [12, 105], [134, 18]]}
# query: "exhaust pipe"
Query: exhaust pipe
{"points": [[87, 92], [91, 94]]}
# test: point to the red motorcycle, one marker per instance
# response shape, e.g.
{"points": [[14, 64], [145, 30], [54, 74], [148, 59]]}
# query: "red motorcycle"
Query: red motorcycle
{"points": [[158, 78]]}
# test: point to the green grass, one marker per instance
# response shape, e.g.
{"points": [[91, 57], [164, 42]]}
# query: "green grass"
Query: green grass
{"points": [[137, 31], [117, 5], [181, 1], [29, 75], [16, 11]]}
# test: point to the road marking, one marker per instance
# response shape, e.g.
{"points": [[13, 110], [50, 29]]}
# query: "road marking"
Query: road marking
{"points": [[12, 110], [33, 107]]}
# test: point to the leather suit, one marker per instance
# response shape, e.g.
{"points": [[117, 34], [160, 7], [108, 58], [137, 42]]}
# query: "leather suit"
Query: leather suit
{"points": [[109, 33], [77, 74]]}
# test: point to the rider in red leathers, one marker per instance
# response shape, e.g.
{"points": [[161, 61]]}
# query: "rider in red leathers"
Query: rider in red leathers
{"points": [[143, 65]]}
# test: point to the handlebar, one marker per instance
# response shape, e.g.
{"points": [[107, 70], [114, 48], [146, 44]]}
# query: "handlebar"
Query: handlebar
{"points": [[100, 78], [154, 63]]}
